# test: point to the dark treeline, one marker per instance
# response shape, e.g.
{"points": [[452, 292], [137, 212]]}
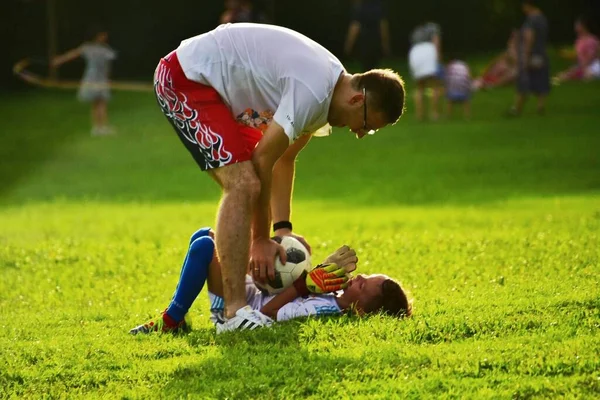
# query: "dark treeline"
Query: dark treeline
{"points": [[144, 30]]}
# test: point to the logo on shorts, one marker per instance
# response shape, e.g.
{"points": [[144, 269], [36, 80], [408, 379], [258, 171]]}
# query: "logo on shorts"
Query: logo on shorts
{"points": [[255, 119], [185, 119]]}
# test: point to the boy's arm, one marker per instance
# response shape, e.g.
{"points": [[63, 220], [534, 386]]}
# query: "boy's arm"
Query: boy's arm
{"points": [[324, 278], [272, 307], [65, 57]]}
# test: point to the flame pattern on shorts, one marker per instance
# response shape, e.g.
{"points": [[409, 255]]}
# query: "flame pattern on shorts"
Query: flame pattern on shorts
{"points": [[185, 119]]}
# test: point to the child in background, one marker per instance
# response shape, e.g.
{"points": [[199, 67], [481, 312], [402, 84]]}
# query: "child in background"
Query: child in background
{"points": [[458, 85], [95, 85], [587, 53]]}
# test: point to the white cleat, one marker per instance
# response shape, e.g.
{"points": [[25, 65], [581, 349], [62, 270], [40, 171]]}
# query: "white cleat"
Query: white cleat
{"points": [[245, 319]]}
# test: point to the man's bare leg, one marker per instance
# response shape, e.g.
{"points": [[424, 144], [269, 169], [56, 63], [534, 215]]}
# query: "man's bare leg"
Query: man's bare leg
{"points": [[241, 188], [541, 104], [520, 103]]}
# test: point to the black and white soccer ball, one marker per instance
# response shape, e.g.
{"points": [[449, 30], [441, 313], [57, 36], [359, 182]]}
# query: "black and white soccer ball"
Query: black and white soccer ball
{"points": [[298, 261]]}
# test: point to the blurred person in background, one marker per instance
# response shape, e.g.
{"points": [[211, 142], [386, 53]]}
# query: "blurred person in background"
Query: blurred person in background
{"points": [[532, 59], [586, 52], [370, 29], [424, 59], [242, 11], [230, 10], [95, 85], [458, 87], [244, 110], [502, 70]]}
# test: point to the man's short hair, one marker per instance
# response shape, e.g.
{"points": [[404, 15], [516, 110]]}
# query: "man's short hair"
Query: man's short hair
{"points": [[385, 92], [392, 301]]}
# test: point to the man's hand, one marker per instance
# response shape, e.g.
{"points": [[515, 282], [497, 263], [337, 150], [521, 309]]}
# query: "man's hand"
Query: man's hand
{"points": [[345, 257], [324, 278], [287, 232], [262, 258]]}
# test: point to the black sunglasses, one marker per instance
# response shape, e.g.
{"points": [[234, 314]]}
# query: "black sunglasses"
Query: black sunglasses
{"points": [[370, 131]]}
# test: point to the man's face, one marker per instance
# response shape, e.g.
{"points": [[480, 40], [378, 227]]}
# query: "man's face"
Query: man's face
{"points": [[359, 117], [369, 124], [363, 289]]}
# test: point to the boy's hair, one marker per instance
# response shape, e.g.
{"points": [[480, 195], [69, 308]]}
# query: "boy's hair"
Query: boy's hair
{"points": [[385, 92], [392, 301]]}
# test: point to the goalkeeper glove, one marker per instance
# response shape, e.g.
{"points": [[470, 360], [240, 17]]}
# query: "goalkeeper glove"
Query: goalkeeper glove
{"points": [[345, 257], [324, 278]]}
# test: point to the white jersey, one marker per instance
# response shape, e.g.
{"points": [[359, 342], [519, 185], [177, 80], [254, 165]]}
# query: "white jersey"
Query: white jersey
{"points": [[314, 305], [265, 69]]}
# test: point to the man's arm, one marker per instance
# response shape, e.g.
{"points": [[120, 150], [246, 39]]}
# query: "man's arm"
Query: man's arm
{"points": [[351, 36], [528, 38], [270, 148], [262, 254], [437, 42], [283, 183], [384, 28]]}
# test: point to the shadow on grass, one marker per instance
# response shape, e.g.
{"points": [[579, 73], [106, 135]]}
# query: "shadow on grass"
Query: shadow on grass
{"points": [[266, 364]]}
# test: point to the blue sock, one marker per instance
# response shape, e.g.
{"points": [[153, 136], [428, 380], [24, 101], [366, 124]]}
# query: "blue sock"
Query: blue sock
{"points": [[198, 234], [193, 275]]}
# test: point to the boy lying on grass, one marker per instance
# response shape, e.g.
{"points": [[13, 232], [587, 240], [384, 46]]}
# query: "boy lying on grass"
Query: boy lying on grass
{"points": [[313, 294]]}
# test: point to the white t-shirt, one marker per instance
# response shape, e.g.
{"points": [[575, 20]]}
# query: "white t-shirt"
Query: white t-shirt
{"points": [[268, 69], [314, 305]]}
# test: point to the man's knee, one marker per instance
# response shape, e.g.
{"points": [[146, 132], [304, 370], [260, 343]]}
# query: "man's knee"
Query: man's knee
{"points": [[241, 179], [249, 186]]}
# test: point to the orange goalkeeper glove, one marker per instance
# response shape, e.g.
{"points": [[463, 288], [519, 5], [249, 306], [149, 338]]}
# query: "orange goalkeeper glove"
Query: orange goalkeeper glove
{"points": [[324, 278]]}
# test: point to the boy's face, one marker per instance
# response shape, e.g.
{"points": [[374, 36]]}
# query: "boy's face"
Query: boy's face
{"points": [[363, 289]]}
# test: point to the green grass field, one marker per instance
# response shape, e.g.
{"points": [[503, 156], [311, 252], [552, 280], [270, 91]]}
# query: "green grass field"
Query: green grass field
{"points": [[492, 224]]}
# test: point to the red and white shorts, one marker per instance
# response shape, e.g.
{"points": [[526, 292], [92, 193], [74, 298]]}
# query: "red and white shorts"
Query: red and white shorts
{"points": [[201, 119]]}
